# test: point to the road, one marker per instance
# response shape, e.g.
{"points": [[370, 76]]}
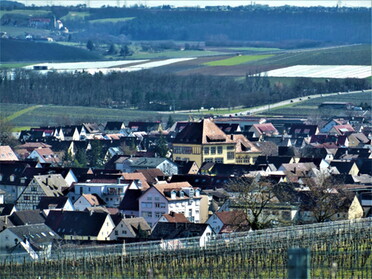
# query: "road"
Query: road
{"points": [[293, 101]]}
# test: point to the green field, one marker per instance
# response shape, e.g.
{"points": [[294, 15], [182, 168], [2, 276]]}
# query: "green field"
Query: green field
{"points": [[75, 16], [174, 54], [255, 48], [21, 31], [25, 12], [112, 20], [236, 60], [32, 116], [13, 65]]}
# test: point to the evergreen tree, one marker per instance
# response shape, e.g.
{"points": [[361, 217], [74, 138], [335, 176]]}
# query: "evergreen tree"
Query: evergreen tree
{"points": [[90, 45], [161, 148]]}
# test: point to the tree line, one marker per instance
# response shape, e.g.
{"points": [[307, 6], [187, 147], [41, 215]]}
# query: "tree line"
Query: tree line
{"points": [[149, 90], [350, 25]]}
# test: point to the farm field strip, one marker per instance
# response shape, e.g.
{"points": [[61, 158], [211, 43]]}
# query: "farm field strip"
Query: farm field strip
{"points": [[21, 112], [322, 71], [106, 67], [236, 60]]}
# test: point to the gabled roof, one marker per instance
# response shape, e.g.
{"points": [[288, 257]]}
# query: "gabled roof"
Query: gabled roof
{"points": [[342, 167], [229, 128], [52, 184], [202, 181], [93, 199], [150, 175], [343, 129], [173, 217], [243, 144], [114, 125], [227, 169], [203, 132], [236, 217], [27, 217], [81, 223], [302, 129], [164, 230], [135, 225], [277, 161], [52, 202], [184, 167], [146, 162], [130, 200], [48, 155], [16, 170], [7, 153], [265, 128], [35, 233]]}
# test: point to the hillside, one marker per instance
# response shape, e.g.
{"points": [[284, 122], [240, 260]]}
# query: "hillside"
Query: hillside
{"points": [[17, 50]]}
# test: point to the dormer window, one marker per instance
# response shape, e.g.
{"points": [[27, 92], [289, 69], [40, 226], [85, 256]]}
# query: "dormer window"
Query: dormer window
{"points": [[12, 178], [173, 194], [182, 194]]}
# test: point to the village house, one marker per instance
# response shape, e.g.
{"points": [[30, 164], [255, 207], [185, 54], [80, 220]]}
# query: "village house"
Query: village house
{"points": [[50, 185], [87, 200], [228, 221], [45, 155], [7, 154], [265, 129], [177, 197], [131, 228], [204, 142], [34, 240], [81, 225]]}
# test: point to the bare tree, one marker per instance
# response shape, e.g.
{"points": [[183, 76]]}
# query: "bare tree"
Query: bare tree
{"points": [[327, 198], [253, 198]]}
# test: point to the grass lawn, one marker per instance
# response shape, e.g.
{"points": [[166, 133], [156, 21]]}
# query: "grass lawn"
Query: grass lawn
{"points": [[236, 60], [113, 20]]}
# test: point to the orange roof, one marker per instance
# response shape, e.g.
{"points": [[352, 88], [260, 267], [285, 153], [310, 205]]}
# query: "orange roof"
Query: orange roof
{"points": [[167, 187], [92, 199], [137, 176], [176, 218], [7, 154], [244, 143], [232, 217]]}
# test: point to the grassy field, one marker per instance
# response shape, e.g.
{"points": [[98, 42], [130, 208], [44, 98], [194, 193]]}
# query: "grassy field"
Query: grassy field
{"points": [[254, 48], [236, 60], [21, 31], [75, 16], [112, 20], [33, 116], [25, 12], [13, 65], [174, 54]]}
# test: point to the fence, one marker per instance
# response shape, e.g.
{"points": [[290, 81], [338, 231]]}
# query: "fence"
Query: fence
{"points": [[338, 250]]}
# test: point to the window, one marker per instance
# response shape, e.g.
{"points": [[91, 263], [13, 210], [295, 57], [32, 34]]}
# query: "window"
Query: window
{"points": [[147, 204], [230, 155], [26, 198], [219, 149], [149, 198], [157, 205], [218, 160], [124, 232], [116, 233], [208, 160], [157, 198], [12, 178], [147, 214], [206, 150], [158, 214], [33, 188], [231, 147], [182, 149], [213, 150]]}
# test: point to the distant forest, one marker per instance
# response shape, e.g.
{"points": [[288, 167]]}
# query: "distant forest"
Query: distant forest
{"points": [[154, 91], [337, 25]]}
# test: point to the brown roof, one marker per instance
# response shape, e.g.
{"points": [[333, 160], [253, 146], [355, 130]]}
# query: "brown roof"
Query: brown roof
{"points": [[137, 176], [92, 199], [203, 132], [243, 144], [151, 174], [47, 154], [7, 154], [266, 128], [176, 218], [236, 217], [167, 187]]}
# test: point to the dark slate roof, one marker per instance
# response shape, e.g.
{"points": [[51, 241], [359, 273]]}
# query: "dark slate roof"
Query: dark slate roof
{"points": [[359, 152], [36, 233], [152, 175], [58, 145], [202, 181], [229, 128], [16, 168], [267, 148], [277, 161], [146, 162], [113, 125], [52, 202], [143, 126], [316, 161], [342, 167], [364, 165], [6, 209], [184, 166], [302, 130], [130, 200], [177, 230], [227, 169], [80, 223], [27, 217]]}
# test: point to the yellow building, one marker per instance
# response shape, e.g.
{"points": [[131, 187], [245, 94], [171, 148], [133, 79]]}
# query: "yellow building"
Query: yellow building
{"points": [[204, 142]]}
